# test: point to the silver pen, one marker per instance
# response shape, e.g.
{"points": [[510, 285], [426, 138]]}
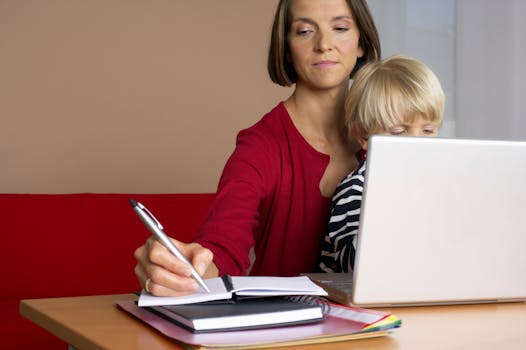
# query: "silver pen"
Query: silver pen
{"points": [[156, 229]]}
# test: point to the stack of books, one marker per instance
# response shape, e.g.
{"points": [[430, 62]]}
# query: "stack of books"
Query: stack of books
{"points": [[251, 312]]}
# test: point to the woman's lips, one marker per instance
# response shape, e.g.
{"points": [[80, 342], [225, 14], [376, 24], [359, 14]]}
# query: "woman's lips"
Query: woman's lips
{"points": [[324, 64]]}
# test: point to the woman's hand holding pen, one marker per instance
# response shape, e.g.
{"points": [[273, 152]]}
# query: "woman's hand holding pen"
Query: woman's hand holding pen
{"points": [[163, 274]]}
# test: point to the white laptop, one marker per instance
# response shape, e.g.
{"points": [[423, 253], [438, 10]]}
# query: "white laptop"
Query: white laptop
{"points": [[443, 221]]}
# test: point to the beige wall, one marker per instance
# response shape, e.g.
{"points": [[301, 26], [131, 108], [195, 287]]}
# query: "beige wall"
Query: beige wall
{"points": [[128, 95]]}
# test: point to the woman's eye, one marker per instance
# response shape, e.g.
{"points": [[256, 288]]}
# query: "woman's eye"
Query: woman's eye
{"points": [[303, 31], [341, 29]]}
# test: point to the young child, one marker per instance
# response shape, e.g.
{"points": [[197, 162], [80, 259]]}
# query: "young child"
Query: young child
{"points": [[395, 96]]}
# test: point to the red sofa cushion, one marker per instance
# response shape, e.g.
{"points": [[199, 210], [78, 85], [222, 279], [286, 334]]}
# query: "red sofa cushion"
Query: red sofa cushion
{"points": [[79, 244]]}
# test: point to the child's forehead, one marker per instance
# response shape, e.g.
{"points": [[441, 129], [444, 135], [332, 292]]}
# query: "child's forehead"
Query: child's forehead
{"points": [[415, 120], [417, 116]]}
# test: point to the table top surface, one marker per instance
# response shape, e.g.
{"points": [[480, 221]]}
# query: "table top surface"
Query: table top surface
{"points": [[94, 322]]}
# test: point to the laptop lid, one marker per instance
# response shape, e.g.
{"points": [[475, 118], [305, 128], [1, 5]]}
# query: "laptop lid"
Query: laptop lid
{"points": [[443, 221]]}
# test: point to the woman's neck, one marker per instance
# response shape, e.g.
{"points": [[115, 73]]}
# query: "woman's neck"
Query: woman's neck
{"points": [[318, 116]]}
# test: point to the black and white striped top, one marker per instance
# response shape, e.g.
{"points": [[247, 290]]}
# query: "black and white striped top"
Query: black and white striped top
{"points": [[339, 246]]}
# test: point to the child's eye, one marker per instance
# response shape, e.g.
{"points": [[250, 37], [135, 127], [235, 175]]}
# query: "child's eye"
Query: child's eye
{"points": [[429, 131], [397, 131]]}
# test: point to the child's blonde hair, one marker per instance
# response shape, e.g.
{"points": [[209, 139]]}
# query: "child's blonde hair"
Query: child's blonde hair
{"points": [[392, 91]]}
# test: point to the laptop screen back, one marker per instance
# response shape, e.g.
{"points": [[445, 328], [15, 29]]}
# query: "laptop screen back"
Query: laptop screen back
{"points": [[443, 221]]}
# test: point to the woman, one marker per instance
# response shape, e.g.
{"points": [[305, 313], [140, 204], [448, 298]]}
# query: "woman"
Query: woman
{"points": [[272, 202]]}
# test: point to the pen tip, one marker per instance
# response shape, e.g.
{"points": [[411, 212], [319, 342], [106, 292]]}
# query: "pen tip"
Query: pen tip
{"points": [[133, 203]]}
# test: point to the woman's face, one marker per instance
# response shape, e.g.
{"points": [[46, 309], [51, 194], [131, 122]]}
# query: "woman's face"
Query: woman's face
{"points": [[323, 41]]}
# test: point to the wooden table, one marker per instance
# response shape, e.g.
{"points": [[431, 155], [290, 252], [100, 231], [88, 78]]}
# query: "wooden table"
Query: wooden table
{"points": [[94, 322]]}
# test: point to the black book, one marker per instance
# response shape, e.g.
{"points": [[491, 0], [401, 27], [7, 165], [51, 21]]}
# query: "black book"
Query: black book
{"points": [[247, 313]]}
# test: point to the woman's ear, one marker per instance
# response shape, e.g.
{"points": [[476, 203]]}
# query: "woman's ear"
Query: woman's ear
{"points": [[360, 51]]}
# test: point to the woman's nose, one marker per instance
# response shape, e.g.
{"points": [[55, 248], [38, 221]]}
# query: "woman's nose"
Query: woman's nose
{"points": [[323, 42]]}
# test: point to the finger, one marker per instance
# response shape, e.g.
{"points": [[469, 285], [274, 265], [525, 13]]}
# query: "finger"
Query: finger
{"points": [[140, 255], [201, 258], [161, 256], [164, 282], [162, 291], [141, 275], [198, 256]]}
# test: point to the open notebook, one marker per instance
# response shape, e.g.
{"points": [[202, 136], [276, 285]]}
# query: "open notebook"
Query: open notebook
{"points": [[442, 222], [227, 287]]}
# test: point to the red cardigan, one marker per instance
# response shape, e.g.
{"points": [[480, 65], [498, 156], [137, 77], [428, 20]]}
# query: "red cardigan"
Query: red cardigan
{"points": [[268, 200]]}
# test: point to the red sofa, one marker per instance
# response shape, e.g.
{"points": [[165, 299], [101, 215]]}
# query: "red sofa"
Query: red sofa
{"points": [[76, 244]]}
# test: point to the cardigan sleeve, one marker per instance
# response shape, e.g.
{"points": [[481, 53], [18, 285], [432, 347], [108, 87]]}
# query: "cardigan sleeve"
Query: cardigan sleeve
{"points": [[233, 220]]}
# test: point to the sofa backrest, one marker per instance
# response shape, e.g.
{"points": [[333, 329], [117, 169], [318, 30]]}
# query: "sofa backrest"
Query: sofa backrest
{"points": [[83, 244]]}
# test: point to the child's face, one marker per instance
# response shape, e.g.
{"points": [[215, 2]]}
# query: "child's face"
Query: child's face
{"points": [[418, 127]]}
